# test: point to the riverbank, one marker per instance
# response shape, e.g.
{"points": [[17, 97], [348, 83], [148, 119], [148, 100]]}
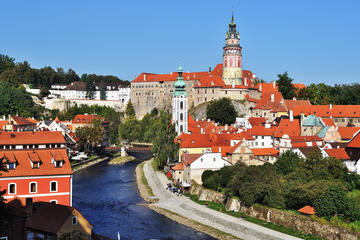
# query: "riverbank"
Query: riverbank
{"points": [[147, 194], [89, 163], [199, 217]]}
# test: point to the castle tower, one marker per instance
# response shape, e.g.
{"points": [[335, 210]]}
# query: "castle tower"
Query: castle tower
{"points": [[232, 56], [180, 105]]}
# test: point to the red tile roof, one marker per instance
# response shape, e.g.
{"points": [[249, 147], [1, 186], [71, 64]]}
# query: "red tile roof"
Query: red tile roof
{"points": [[223, 149], [178, 167], [188, 158], [347, 132], [325, 111], [45, 156], [265, 151], [3, 123], [262, 131], [307, 210], [265, 102], [290, 104], [30, 138], [355, 142], [85, 118], [338, 153], [254, 121], [328, 121], [305, 138], [22, 121], [77, 86], [287, 127], [210, 81]]}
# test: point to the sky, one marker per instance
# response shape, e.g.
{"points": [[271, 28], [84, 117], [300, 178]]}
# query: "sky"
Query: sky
{"points": [[314, 41]]}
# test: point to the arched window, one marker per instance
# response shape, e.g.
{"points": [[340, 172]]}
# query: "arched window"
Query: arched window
{"points": [[181, 117], [181, 128], [181, 105]]}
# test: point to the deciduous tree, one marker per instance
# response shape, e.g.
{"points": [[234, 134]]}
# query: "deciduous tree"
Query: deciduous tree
{"points": [[221, 111]]}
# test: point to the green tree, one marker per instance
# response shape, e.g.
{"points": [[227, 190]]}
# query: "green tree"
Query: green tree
{"points": [[90, 90], [91, 136], [221, 111], [332, 202], [164, 148], [287, 162], [102, 90], [130, 129], [6, 63], [285, 86], [130, 110]]}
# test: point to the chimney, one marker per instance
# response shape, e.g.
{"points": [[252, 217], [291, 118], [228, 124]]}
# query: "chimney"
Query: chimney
{"points": [[274, 84], [260, 88], [294, 98], [29, 208], [144, 77], [226, 127], [330, 106], [210, 69], [291, 116], [233, 84], [202, 131], [245, 82], [272, 97]]}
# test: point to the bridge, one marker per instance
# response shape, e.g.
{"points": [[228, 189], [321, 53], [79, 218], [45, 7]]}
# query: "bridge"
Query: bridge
{"points": [[128, 149]]}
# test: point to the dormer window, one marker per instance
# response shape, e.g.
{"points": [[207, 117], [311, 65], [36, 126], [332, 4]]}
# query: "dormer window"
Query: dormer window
{"points": [[36, 165], [58, 163]]}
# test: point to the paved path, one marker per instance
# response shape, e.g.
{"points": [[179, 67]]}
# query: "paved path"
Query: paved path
{"points": [[184, 206]]}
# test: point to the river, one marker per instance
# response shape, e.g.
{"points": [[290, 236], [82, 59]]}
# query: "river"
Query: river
{"points": [[107, 196]]}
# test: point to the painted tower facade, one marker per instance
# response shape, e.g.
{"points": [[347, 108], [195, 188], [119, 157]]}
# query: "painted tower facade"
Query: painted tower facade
{"points": [[232, 56], [180, 105]]}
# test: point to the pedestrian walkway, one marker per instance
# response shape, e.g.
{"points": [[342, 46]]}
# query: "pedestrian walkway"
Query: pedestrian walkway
{"points": [[185, 207]]}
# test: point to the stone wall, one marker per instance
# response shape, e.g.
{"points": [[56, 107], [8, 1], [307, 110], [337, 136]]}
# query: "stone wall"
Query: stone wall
{"points": [[299, 223]]}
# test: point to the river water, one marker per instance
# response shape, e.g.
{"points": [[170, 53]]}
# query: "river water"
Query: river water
{"points": [[107, 196]]}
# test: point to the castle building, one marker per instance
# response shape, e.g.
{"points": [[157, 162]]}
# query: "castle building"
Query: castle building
{"points": [[228, 79], [180, 105], [232, 57]]}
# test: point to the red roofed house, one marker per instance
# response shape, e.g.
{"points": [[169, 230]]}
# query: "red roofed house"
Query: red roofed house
{"points": [[44, 220], [193, 166], [38, 167], [16, 123], [353, 148], [264, 155], [87, 120]]}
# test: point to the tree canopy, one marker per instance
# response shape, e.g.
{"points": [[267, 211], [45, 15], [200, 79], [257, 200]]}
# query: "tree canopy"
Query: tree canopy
{"points": [[285, 86], [221, 111]]}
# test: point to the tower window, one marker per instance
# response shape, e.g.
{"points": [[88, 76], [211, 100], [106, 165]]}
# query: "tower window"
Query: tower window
{"points": [[181, 105], [181, 117], [181, 128]]}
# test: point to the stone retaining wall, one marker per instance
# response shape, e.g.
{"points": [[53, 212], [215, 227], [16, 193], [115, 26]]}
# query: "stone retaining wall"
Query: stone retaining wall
{"points": [[299, 223]]}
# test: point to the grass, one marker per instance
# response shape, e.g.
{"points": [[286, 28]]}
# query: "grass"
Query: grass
{"points": [[144, 180], [280, 228], [154, 164]]}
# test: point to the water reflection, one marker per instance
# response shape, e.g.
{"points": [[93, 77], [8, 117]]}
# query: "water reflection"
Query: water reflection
{"points": [[108, 197]]}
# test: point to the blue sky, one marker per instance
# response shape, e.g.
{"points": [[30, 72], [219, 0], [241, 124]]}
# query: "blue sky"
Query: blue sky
{"points": [[315, 41]]}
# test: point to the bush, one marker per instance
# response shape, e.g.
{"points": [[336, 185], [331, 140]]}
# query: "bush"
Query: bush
{"points": [[206, 175]]}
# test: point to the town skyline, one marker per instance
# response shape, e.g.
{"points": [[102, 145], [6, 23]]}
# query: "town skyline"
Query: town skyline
{"points": [[305, 40]]}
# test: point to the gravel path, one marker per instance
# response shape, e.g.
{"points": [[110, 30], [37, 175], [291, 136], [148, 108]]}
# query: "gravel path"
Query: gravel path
{"points": [[184, 206]]}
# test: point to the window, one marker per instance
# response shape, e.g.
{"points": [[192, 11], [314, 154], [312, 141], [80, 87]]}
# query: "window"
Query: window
{"points": [[350, 120], [337, 120], [58, 163], [181, 117], [12, 166], [12, 188], [181, 128], [343, 120], [53, 201], [214, 159], [74, 220], [36, 164], [33, 187], [181, 105], [53, 186]]}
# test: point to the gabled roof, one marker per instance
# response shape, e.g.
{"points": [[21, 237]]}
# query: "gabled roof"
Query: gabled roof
{"points": [[291, 128], [188, 158], [260, 130], [307, 210], [355, 141], [254, 121], [223, 149], [178, 167], [347, 132], [291, 103], [265, 102], [30, 138], [328, 122], [22, 121], [308, 151], [265, 151], [77, 86], [210, 81], [338, 153], [45, 156]]}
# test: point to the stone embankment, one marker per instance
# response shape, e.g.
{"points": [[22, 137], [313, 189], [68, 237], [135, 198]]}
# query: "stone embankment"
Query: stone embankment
{"points": [[299, 223], [214, 223]]}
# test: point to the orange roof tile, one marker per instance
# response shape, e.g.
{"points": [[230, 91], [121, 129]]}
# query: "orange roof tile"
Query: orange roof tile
{"points": [[328, 110], [260, 130], [254, 121], [290, 104], [3, 123], [355, 141], [24, 168], [307, 210], [328, 121], [265, 151], [338, 153], [347, 132], [288, 127], [25, 138], [21, 121], [85, 118], [178, 167]]}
